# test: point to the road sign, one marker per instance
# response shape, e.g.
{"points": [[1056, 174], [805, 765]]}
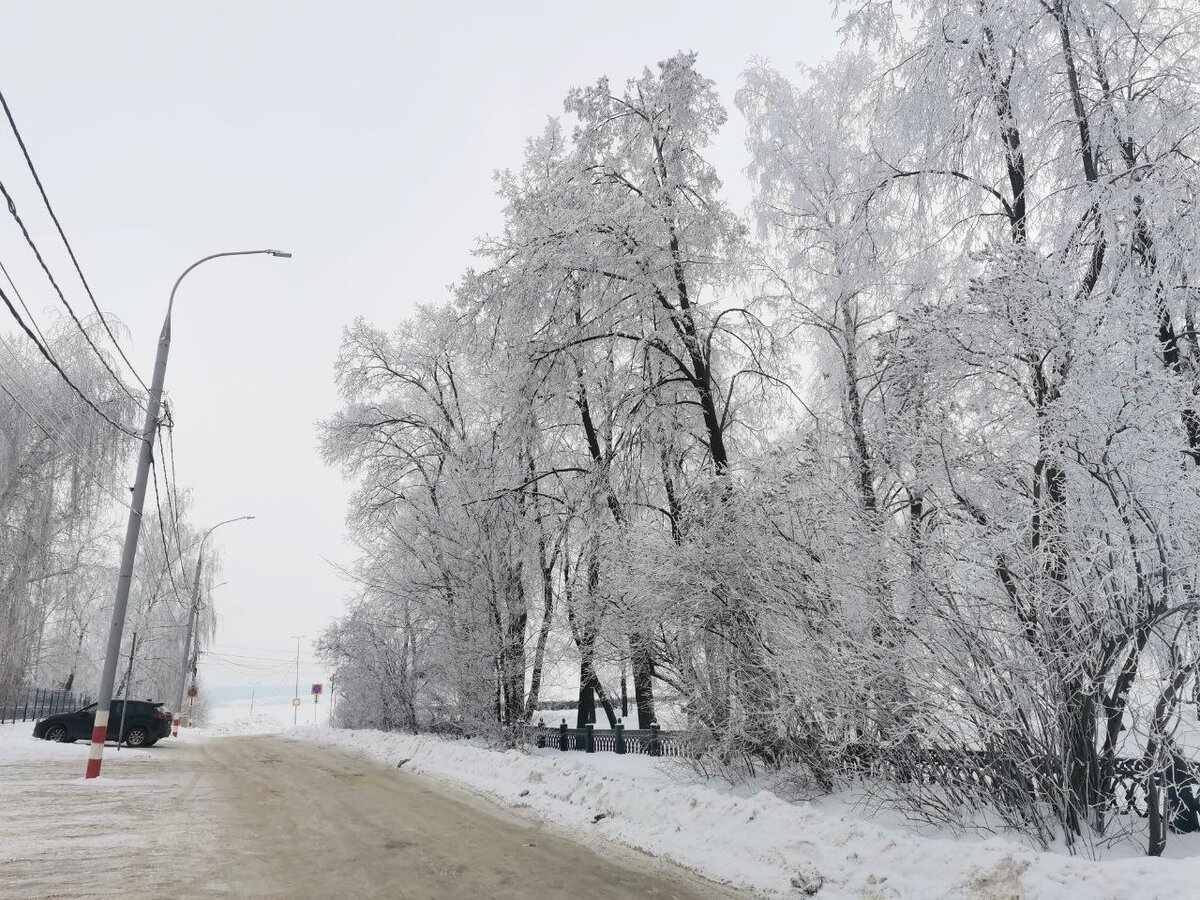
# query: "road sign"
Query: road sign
{"points": [[295, 701], [317, 689], [193, 691]]}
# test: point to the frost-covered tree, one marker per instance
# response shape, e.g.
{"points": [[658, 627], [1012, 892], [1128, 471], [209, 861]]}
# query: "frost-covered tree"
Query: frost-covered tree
{"points": [[904, 464], [63, 464]]}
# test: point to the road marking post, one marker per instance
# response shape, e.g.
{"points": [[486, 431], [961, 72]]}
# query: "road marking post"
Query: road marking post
{"points": [[193, 691], [96, 751]]}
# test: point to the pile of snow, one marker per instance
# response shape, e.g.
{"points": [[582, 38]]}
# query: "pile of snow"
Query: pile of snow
{"points": [[759, 842], [267, 715], [18, 745]]}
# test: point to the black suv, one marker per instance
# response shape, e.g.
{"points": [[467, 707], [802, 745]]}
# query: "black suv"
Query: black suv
{"points": [[145, 723]]}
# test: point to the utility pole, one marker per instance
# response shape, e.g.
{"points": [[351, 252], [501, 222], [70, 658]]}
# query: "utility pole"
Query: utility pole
{"points": [[195, 666], [331, 689], [133, 526], [128, 685], [193, 613], [296, 698]]}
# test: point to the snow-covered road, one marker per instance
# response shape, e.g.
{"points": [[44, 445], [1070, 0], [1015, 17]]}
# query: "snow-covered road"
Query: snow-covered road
{"points": [[318, 813], [265, 817], [321, 823], [145, 827]]}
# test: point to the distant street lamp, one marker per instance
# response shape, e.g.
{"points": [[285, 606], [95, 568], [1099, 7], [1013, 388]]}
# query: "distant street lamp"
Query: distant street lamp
{"points": [[134, 525], [193, 611]]}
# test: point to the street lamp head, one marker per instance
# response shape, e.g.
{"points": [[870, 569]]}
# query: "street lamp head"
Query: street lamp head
{"points": [[282, 254]]}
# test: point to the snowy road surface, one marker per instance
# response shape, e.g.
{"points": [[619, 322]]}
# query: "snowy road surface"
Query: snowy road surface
{"points": [[265, 817]]}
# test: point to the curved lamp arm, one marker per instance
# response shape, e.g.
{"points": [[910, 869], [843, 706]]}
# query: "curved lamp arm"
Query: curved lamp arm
{"points": [[218, 525], [171, 302]]}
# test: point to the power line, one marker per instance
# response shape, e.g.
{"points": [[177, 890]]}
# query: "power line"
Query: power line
{"points": [[70, 251], [53, 438], [44, 405], [162, 531], [78, 324], [21, 300], [12, 209], [74, 451], [171, 483], [59, 369]]}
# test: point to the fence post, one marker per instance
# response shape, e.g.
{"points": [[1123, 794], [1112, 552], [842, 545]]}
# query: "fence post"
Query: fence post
{"points": [[562, 735], [619, 737], [25, 711], [590, 737], [655, 741], [541, 734]]}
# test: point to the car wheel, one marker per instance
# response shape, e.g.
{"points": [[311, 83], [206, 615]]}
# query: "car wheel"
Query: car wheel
{"points": [[137, 736], [56, 733]]}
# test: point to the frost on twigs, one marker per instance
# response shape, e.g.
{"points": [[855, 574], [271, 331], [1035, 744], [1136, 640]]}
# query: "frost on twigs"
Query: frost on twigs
{"points": [[808, 882], [895, 491]]}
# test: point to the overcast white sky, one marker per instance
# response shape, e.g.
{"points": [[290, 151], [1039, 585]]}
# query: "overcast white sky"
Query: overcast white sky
{"points": [[361, 136]]}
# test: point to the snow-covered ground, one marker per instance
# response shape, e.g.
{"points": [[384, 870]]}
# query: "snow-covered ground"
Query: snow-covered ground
{"points": [[63, 836], [754, 840], [748, 838], [266, 716]]}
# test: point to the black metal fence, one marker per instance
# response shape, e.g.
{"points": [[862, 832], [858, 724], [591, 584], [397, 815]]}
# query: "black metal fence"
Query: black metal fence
{"points": [[1125, 781], [31, 704], [651, 741]]}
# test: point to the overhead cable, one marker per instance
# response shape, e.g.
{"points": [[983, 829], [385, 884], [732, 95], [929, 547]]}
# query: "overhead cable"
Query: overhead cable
{"points": [[12, 210], [70, 250], [59, 369]]}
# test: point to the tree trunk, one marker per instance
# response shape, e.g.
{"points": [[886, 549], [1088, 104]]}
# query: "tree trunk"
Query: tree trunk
{"points": [[641, 662]]}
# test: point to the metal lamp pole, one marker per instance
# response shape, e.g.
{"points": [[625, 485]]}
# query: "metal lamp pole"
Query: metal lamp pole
{"points": [[134, 525], [193, 612]]}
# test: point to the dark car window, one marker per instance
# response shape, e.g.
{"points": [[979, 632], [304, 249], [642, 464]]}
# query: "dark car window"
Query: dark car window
{"points": [[138, 707]]}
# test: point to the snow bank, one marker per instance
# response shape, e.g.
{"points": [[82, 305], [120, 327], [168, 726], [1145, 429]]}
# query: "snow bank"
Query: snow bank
{"points": [[759, 842], [267, 715], [17, 744]]}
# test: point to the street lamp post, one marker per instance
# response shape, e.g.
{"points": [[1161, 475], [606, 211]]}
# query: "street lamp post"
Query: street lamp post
{"points": [[134, 525], [193, 612]]}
